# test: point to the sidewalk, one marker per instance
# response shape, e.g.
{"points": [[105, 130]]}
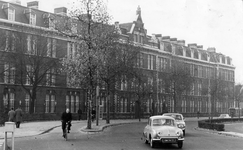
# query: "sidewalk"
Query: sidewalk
{"points": [[37, 128]]}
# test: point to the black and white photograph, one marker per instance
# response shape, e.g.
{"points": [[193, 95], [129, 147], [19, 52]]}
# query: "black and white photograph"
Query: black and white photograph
{"points": [[121, 74]]}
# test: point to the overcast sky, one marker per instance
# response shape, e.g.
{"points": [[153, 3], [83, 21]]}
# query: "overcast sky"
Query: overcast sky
{"points": [[211, 23]]}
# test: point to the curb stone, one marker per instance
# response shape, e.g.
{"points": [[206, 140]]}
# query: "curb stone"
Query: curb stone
{"points": [[223, 133], [105, 126]]}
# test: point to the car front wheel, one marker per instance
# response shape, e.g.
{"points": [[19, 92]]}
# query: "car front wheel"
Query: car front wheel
{"points": [[180, 144], [151, 143]]}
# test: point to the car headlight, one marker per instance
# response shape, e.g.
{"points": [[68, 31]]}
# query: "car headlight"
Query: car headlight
{"points": [[180, 126], [159, 133]]}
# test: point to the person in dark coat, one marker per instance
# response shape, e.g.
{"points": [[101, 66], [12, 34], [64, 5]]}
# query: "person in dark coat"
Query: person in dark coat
{"points": [[93, 114], [66, 118], [18, 116], [79, 113], [11, 115]]}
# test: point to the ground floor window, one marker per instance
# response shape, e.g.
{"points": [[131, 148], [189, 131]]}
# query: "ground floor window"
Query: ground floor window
{"points": [[27, 102]]}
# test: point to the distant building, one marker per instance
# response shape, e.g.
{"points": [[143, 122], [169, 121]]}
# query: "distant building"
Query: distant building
{"points": [[159, 53], [156, 58]]}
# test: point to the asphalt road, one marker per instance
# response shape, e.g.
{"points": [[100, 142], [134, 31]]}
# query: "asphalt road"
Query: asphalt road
{"points": [[124, 137]]}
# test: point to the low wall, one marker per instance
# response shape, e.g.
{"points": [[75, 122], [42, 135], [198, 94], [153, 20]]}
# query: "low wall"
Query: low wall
{"points": [[217, 124]]}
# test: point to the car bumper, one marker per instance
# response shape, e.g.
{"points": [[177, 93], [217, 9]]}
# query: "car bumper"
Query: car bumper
{"points": [[169, 139]]}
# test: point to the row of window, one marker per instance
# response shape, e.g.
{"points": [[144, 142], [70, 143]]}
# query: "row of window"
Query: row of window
{"points": [[10, 45], [148, 61], [11, 14], [10, 75], [72, 101]]}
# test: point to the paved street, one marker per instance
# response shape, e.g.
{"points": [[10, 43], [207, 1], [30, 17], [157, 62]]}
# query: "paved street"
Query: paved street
{"points": [[124, 137]]}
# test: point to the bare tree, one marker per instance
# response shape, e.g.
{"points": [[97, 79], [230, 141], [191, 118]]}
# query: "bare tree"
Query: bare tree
{"points": [[88, 24], [238, 94], [179, 80], [30, 62]]}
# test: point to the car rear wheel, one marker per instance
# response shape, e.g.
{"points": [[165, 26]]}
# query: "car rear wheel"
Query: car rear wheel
{"points": [[145, 139], [180, 144]]}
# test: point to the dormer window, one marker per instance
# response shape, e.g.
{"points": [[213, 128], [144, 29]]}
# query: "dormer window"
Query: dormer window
{"points": [[11, 14], [9, 11], [49, 20], [32, 19], [30, 14]]}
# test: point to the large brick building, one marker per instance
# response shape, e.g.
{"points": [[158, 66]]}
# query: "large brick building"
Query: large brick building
{"points": [[157, 55]]}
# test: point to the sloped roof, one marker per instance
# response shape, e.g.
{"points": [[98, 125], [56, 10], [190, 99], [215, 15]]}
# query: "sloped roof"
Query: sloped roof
{"points": [[126, 26], [20, 15]]}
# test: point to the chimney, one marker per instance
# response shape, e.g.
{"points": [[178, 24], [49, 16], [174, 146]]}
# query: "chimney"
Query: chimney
{"points": [[61, 11], [200, 47], [16, 2], [181, 42], [166, 38], [33, 5], [193, 45], [211, 49], [173, 40], [158, 36]]}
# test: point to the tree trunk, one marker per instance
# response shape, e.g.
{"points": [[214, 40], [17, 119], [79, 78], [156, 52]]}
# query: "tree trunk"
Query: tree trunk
{"points": [[108, 108], [89, 111]]}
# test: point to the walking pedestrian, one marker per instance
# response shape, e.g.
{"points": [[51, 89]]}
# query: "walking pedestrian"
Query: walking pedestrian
{"points": [[93, 114], [18, 114], [79, 114], [11, 115], [198, 114]]}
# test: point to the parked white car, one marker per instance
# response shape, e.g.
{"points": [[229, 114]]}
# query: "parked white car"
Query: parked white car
{"points": [[224, 116], [179, 119], [162, 129]]}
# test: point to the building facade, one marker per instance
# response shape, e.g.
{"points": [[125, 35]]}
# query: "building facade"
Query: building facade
{"points": [[156, 58]]}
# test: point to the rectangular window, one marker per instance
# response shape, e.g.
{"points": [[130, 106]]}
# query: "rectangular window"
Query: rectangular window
{"points": [[29, 44], [48, 78], [27, 102], [54, 47], [77, 103], [32, 19], [125, 105], [48, 47], [11, 14], [12, 97], [52, 103], [53, 77], [72, 104], [12, 75], [47, 104], [121, 105], [51, 23], [29, 74], [67, 101], [6, 73]]}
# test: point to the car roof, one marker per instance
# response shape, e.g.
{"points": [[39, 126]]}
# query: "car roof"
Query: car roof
{"points": [[161, 117], [172, 114]]}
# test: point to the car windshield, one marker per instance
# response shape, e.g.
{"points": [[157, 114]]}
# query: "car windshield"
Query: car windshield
{"points": [[163, 122], [176, 117]]}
